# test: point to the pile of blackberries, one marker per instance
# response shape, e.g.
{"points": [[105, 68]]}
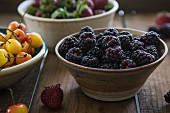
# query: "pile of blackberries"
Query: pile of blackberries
{"points": [[110, 49]]}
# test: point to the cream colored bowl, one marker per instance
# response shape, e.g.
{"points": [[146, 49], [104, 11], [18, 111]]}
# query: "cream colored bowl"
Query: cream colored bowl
{"points": [[12, 75], [53, 30], [112, 84]]}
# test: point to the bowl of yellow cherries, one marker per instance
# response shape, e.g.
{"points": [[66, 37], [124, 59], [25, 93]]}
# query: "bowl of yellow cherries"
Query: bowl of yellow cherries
{"points": [[20, 52]]}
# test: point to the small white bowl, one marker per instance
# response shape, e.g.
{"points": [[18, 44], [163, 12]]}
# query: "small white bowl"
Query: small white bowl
{"points": [[52, 30], [10, 76]]}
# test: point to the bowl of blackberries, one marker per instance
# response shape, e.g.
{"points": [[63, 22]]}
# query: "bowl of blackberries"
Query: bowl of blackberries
{"points": [[111, 64], [55, 19]]}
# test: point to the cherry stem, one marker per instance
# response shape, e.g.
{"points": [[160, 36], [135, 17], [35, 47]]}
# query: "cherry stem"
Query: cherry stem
{"points": [[22, 19], [4, 38], [12, 95], [29, 44], [13, 33]]}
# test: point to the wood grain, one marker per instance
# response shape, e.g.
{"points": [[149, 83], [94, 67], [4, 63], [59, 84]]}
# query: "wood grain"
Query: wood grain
{"points": [[151, 97], [74, 100]]}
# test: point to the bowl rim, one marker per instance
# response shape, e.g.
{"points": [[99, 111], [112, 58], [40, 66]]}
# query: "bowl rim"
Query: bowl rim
{"points": [[35, 59], [111, 70], [22, 7]]}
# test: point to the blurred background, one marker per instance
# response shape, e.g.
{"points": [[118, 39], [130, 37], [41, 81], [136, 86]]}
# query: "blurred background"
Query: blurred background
{"points": [[9, 8]]}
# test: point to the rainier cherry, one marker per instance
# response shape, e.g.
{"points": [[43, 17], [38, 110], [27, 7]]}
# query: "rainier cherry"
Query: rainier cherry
{"points": [[6, 58], [15, 25], [16, 108], [22, 57], [35, 40], [13, 46]]}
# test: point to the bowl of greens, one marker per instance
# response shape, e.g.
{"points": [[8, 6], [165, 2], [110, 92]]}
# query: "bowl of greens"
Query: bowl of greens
{"points": [[55, 19]]}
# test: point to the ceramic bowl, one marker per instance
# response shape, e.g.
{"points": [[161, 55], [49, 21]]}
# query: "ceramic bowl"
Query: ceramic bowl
{"points": [[12, 75], [112, 84], [53, 30]]}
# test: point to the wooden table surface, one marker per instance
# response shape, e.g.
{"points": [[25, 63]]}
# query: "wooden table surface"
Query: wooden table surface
{"points": [[150, 97]]}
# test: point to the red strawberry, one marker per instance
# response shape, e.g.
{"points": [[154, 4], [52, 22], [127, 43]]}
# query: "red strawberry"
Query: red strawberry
{"points": [[99, 4], [162, 19], [52, 96]]}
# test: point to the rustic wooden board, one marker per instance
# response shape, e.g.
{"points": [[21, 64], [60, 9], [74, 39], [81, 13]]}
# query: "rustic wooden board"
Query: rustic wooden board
{"points": [[151, 97]]}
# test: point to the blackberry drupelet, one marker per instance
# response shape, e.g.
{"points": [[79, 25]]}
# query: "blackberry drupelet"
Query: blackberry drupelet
{"points": [[150, 38], [127, 63], [125, 42], [167, 97], [127, 33], [86, 29], [106, 66], [110, 41], [111, 31], [136, 44], [142, 58], [67, 44], [152, 50], [136, 38], [90, 61], [109, 66], [114, 54], [97, 52], [127, 54], [74, 55]]}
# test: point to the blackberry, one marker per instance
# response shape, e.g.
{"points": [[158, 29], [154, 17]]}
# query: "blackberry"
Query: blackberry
{"points": [[136, 44], [141, 57], [99, 42], [90, 61], [74, 55], [111, 31], [114, 54], [86, 44], [87, 41], [98, 36], [86, 35], [127, 33], [150, 38], [152, 50], [110, 41], [125, 42], [97, 52], [167, 97], [67, 44], [127, 63], [86, 29]]}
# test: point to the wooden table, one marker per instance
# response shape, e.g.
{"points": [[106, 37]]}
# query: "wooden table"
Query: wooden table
{"points": [[150, 98]]}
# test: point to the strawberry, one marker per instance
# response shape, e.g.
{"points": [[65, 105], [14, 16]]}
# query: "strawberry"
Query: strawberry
{"points": [[52, 96], [99, 4], [162, 19]]}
